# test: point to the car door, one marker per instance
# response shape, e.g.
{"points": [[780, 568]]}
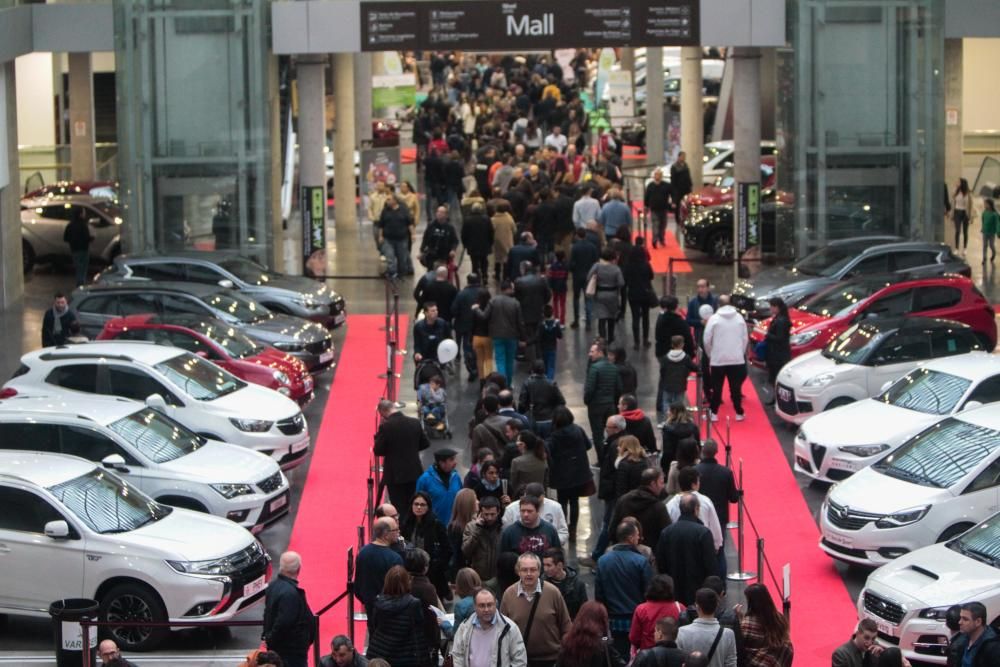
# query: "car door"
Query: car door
{"points": [[895, 356], [872, 265], [26, 553], [75, 377], [182, 304], [94, 311], [937, 301], [137, 303], [198, 273], [49, 225], [981, 498], [921, 262], [986, 392]]}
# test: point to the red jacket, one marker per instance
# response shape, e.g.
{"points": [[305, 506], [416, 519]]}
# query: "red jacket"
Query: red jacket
{"points": [[645, 617]]}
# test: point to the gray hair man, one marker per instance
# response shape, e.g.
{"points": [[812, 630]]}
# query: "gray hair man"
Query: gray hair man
{"points": [[488, 638]]}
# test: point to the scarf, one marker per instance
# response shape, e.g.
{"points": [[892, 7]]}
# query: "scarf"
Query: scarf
{"points": [[57, 321], [633, 415]]}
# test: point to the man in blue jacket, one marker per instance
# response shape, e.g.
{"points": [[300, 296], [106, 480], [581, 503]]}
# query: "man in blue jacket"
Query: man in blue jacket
{"points": [[442, 483], [620, 582]]}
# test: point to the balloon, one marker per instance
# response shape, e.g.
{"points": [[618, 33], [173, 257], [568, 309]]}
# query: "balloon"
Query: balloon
{"points": [[447, 350], [705, 311]]}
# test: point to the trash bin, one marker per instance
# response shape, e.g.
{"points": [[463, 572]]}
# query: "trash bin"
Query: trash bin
{"points": [[66, 631]]}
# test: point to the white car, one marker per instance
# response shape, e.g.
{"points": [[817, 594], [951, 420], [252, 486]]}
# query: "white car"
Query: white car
{"points": [[833, 445], [197, 393], [909, 598], [70, 529], [151, 451], [937, 485], [717, 158], [862, 361]]}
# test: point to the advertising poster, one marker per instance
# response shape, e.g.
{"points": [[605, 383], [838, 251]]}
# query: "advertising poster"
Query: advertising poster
{"points": [[672, 131], [392, 94], [313, 207], [621, 101], [748, 200], [379, 164], [604, 63]]}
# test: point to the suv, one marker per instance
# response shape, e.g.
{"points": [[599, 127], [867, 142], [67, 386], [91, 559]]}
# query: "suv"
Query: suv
{"points": [[291, 295], [842, 260], [909, 598], [863, 361], [97, 304], [44, 219], [152, 451], [96, 536], [937, 485], [195, 392]]}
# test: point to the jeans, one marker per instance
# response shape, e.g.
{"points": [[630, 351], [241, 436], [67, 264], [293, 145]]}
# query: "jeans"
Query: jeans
{"points": [[579, 287], [397, 252], [668, 398], [659, 226], [734, 375], [990, 240], [549, 358], [81, 262], [569, 500], [542, 429], [465, 341], [961, 220], [481, 266], [504, 350], [559, 306], [603, 538]]}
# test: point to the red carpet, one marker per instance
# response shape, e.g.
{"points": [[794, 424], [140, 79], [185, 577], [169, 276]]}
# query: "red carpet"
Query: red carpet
{"points": [[335, 492], [823, 613], [408, 155], [661, 256]]}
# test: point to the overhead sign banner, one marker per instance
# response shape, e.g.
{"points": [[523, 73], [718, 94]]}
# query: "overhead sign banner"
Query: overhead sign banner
{"points": [[485, 25]]}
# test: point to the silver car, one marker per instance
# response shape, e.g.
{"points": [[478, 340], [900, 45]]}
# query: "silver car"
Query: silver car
{"points": [[44, 219], [291, 295], [308, 341]]}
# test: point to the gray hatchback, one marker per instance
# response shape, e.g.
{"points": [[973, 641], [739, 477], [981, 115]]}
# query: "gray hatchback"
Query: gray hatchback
{"points": [[308, 341]]}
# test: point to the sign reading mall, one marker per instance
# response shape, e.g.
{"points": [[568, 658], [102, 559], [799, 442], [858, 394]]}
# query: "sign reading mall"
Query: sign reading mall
{"points": [[487, 25]]}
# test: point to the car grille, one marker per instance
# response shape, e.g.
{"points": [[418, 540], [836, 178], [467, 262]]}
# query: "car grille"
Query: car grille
{"points": [[249, 561], [292, 425], [269, 484], [844, 517], [884, 608], [787, 405], [818, 454], [856, 553], [320, 346]]}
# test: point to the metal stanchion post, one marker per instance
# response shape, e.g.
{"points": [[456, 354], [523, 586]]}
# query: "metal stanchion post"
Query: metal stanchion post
{"points": [[315, 644], [740, 574], [370, 508], [760, 560], [350, 594], [671, 280], [85, 634]]}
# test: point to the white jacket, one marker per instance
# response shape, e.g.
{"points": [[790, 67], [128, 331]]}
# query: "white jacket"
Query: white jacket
{"points": [[726, 338]]}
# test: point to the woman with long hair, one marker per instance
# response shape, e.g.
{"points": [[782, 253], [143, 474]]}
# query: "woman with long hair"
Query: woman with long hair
{"points": [[467, 583], [778, 342], [409, 198], [961, 204], [569, 470], [588, 644], [629, 465], [423, 530], [688, 454], [766, 641], [638, 274], [679, 426], [463, 510], [396, 624], [533, 463], [659, 602]]}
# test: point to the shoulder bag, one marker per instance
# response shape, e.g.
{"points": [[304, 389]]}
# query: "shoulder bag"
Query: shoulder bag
{"points": [[715, 645], [531, 617]]}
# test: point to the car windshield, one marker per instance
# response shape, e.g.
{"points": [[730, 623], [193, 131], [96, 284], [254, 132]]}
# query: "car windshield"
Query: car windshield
{"points": [[107, 504], [838, 301], [981, 543], [247, 271], [202, 380], [927, 391], [243, 310], [942, 455], [156, 436], [827, 261], [852, 346], [236, 343]]}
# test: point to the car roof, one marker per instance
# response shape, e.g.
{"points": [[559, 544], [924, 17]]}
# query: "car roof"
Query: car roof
{"points": [[881, 281], [92, 407], [908, 245], [65, 200], [885, 324], [152, 320], [213, 256], [987, 416], [194, 289], [42, 469], [126, 350], [975, 366]]}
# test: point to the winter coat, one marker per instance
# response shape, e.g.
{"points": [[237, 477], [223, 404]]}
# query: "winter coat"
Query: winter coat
{"points": [[477, 235], [607, 301], [508, 652], [539, 398], [439, 239], [686, 552], [532, 292], [603, 385], [399, 440], [673, 433], [628, 475], [521, 252], [528, 468], [675, 367], [461, 308], [607, 456], [395, 223], [430, 535], [573, 590], [668, 325], [504, 229], [396, 625], [442, 493], [288, 621], [988, 654], [641, 634], [480, 545], [638, 274], [719, 485], [639, 425], [693, 318], [605, 656], [583, 255], [504, 317], [630, 378], [779, 347], [725, 338], [647, 508], [620, 580], [570, 466]]}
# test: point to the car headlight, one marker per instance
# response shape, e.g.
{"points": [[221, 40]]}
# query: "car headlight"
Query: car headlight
{"points": [[280, 378], [820, 380], [904, 518], [233, 490], [290, 347], [214, 566], [935, 613], [864, 451], [307, 303], [251, 425], [803, 338]]}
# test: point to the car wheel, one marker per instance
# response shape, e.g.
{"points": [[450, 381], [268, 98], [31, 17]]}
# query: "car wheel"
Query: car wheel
{"points": [[720, 246], [954, 531], [985, 342], [27, 256], [134, 602], [838, 402], [184, 503]]}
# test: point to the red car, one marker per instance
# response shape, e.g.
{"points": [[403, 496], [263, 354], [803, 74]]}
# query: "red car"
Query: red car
{"points": [[828, 314], [723, 191], [216, 341]]}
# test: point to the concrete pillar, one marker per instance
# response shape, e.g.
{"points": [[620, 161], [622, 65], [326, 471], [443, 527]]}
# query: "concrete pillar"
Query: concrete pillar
{"points": [[345, 211], [83, 158], [311, 85], [11, 271], [746, 126], [655, 145], [628, 60], [953, 57], [692, 112], [363, 97]]}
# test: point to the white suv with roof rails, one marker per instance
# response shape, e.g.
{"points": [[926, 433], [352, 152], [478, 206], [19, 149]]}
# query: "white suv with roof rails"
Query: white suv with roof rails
{"points": [[207, 399], [71, 529], [152, 451]]}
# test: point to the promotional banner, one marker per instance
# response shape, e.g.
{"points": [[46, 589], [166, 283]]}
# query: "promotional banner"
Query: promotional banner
{"points": [[672, 131], [379, 164], [748, 198], [621, 100], [393, 93], [313, 207], [565, 58], [605, 61]]}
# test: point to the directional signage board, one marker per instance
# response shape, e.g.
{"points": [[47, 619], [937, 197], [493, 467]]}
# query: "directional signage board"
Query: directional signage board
{"points": [[526, 25]]}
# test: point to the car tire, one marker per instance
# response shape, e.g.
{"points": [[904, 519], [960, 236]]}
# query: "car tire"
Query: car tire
{"points": [[719, 246], [954, 531], [27, 256], [985, 342], [183, 503], [838, 402], [134, 602]]}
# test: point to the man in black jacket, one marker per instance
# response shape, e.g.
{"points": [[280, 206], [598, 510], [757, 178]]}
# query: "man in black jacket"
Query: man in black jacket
{"points": [[343, 654], [686, 551], [977, 639], [57, 321], [441, 292], [582, 256], [680, 183], [665, 652], [77, 235], [477, 238], [669, 323], [607, 455], [717, 481], [288, 620], [440, 239], [539, 397], [463, 319], [532, 292], [645, 503], [526, 251], [394, 237], [399, 440], [657, 203], [428, 333]]}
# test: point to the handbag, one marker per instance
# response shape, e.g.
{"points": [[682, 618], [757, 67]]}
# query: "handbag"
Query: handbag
{"points": [[654, 300], [591, 289], [589, 488]]}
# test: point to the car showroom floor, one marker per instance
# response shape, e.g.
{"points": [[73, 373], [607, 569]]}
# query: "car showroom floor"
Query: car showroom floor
{"points": [[27, 641]]}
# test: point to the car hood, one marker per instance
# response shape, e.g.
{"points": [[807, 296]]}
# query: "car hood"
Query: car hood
{"points": [[872, 492], [785, 282], [711, 196], [190, 536], [221, 463], [959, 578], [255, 402], [801, 321], [286, 328], [280, 361], [298, 286], [798, 370], [867, 422]]}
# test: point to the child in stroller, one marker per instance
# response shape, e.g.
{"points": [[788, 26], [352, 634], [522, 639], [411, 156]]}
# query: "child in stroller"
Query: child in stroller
{"points": [[431, 397]]}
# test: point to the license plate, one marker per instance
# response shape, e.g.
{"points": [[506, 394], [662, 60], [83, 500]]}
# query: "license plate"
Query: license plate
{"points": [[839, 540], [340, 318], [843, 464], [278, 503], [254, 587], [307, 383], [326, 356], [784, 394], [885, 628]]}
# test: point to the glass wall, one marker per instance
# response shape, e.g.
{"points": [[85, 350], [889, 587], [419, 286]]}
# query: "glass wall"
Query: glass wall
{"points": [[194, 124], [860, 127]]}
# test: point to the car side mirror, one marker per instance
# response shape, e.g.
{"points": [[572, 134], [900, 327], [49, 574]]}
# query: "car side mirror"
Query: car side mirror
{"points": [[114, 462], [972, 405], [156, 402], [886, 386], [57, 530], [227, 283]]}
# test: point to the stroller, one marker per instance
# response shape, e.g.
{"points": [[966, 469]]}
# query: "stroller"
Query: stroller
{"points": [[434, 427]]}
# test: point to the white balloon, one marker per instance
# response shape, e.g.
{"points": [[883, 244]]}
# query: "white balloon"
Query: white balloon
{"points": [[447, 350]]}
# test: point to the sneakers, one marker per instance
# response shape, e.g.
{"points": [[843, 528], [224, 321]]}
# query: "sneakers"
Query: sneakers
{"points": [[740, 417], [714, 417], [440, 426]]}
